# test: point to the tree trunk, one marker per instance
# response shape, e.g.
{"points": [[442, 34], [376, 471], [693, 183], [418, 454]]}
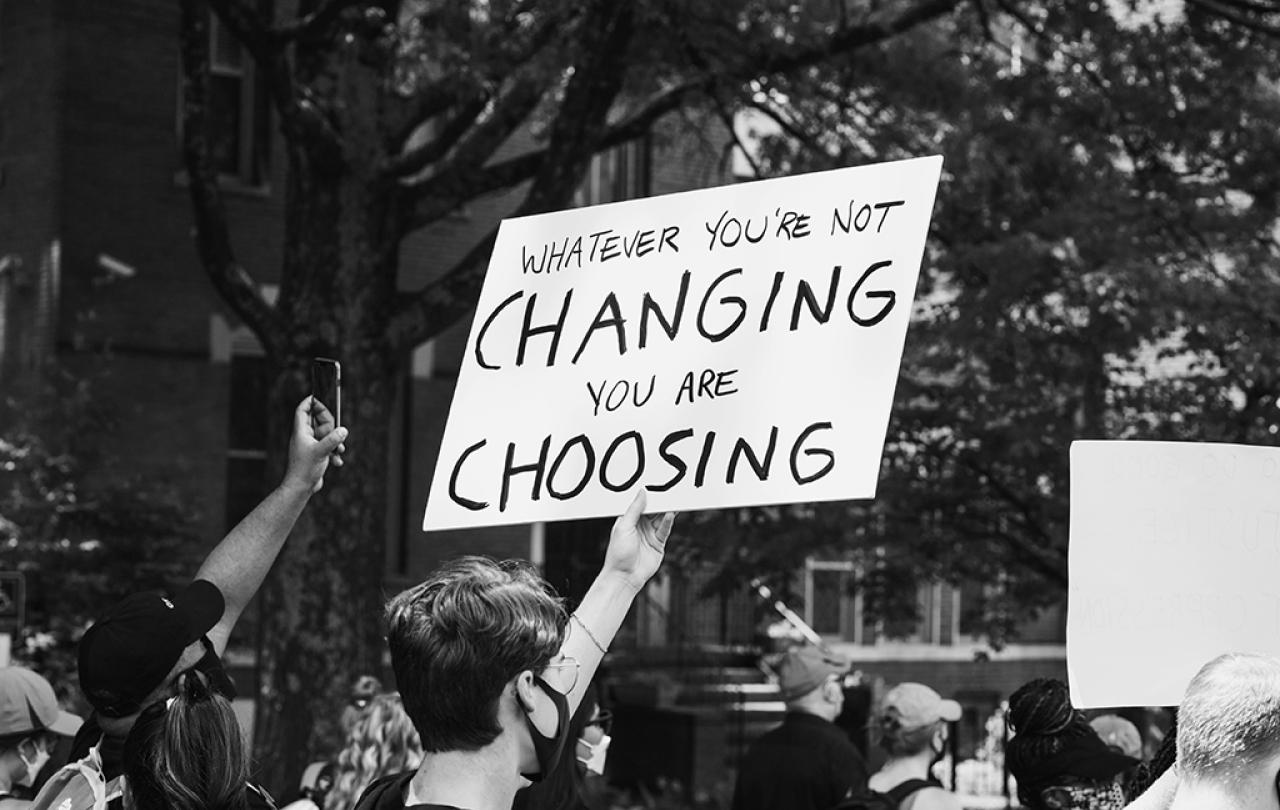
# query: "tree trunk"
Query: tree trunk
{"points": [[322, 605]]}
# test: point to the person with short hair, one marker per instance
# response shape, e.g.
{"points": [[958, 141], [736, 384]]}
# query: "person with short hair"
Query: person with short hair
{"points": [[133, 655], [807, 763], [491, 668], [1056, 757], [31, 722], [912, 721], [1229, 736]]}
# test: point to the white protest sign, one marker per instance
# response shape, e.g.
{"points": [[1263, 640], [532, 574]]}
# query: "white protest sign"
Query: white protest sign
{"points": [[1173, 560], [724, 347]]}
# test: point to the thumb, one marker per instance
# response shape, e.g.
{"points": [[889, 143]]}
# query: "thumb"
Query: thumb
{"points": [[330, 442], [635, 511]]}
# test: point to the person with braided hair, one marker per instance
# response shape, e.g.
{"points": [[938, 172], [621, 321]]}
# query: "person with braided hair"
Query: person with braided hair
{"points": [[1058, 760]]}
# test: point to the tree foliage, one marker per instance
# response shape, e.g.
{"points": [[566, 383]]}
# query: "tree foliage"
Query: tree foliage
{"points": [[396, 113], [1103, 264], [80, 539]]}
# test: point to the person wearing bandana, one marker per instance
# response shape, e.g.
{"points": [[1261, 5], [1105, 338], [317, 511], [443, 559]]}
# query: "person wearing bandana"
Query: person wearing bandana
{"points": [[491, 669], [1058, 760]]}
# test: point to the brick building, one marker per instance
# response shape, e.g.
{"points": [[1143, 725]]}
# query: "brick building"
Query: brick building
{"points": [[97, 266]]}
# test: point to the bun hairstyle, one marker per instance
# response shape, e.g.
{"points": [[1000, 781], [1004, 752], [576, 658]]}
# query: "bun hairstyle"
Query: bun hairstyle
{"points": [[1043, 721], [187, 753]]}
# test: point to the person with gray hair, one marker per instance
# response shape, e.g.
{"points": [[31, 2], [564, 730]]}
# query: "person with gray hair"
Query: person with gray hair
{"points": [[1229, 736]]}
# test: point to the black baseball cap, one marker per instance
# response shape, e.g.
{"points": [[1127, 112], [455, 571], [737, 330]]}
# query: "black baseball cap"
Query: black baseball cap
{"points": [[126, 655]]}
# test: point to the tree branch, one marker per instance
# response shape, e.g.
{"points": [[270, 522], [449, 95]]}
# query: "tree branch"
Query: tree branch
{"points": [[213, 238], [312, 23], [414, 160], [576, 134], [452, 295], [849, 39], [516, 52], [302, 120], [441, 194], [1235, 12]]}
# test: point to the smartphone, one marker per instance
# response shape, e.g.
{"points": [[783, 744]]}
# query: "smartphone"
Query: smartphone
{"points": [[326, 388]]}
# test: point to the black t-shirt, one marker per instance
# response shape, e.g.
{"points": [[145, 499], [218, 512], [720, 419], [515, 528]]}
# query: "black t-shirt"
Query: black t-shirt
{"points": [[807, 763], [388, 792]]}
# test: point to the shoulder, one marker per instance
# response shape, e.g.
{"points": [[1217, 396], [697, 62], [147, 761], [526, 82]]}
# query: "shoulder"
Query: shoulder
{"points": [[932, 798], [385, 793]]}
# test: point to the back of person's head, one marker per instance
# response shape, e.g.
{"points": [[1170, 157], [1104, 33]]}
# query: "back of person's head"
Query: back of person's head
{"points": [[1119, 734], [363, 691], [1055, 756], [810, 680], [912, 719], [187, 753], [1229, 720], [382, 742], [460, 637]]}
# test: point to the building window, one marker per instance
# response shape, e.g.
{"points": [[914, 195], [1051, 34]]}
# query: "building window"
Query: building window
{"points": [[830, 606], [619, 173], [239, 112]]}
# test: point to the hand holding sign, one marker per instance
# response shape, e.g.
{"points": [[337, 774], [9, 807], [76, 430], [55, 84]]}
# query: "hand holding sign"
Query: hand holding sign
{"points": [[637, 543], [730, 346]]}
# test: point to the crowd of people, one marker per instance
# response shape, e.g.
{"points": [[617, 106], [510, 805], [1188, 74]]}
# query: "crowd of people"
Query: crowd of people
{"points": [[496, 704]]}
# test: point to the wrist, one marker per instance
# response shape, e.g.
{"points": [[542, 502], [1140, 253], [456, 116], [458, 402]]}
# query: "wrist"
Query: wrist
{"points": [[626, 584], [295, 487]]}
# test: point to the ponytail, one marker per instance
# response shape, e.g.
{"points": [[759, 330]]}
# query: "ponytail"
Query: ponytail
{"points": [[187, 753]]}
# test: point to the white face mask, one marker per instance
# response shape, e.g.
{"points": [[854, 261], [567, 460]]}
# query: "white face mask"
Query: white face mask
{"points": [[33, 765], [595, 763]]}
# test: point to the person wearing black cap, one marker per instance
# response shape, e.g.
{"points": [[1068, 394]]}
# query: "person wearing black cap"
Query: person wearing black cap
{"points": [[807, 763], [30, 723], [132, 656], [1058, 760]]}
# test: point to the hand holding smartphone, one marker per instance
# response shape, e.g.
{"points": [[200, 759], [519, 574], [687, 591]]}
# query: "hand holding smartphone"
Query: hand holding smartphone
{"points": [[326, 390]]}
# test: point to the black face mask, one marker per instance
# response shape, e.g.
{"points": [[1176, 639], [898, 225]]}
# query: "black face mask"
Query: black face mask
{"points": [[548, 749]]}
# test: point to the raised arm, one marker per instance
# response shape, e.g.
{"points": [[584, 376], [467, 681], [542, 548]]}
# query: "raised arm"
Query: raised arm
{"points": [[241, 561], [636, 546]]}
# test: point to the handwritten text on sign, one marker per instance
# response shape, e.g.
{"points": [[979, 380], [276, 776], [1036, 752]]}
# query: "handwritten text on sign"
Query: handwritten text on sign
{"points": [[1172, 561], [724, 347]]}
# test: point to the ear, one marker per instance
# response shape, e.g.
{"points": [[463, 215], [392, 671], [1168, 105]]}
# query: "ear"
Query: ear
{"points": [[524, 691], [1055, 798]]}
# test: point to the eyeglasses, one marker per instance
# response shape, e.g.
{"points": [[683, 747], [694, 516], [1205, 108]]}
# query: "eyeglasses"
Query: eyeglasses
{"points": [[567, 670], [604, 720]]}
